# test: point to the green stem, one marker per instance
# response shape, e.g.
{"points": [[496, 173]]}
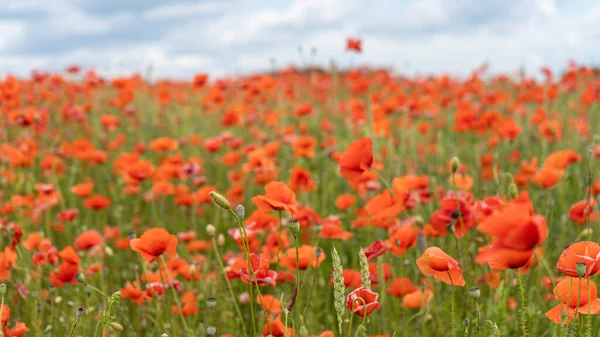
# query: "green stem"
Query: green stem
{"points": [[174, 294], [452, 305], [237, 308], [523, 307]]}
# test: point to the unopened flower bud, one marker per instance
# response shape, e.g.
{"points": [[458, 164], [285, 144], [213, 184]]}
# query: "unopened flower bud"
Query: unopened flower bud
{"points": [[211, 330], [221, 240], [2, 289], [220, 200], [513, 191], [80, 277], [318, 252], [164, 335], [418, 220], [211, 230], [475, 293], [454, 163], [581, 269], [241, 211], [80, 312], [244, 298], [116, 326]]}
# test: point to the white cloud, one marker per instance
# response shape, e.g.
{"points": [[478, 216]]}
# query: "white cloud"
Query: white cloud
{"points": [[231, 36], [176, 11], [11, 31]]}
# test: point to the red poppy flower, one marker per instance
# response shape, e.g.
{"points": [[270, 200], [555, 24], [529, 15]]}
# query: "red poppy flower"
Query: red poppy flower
{"points": [[578, 290], [262, 275], [354, 45], [278, 197], [97, 202], [453, 211], [376, 249], [586, 252], [356, 159], [363, 307], [88, 239], [153, 243], [307, 257], [434, 262]]}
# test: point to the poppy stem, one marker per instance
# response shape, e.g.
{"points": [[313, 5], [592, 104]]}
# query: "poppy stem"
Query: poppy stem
{"points": [[589, 316], [233, 299], [565, 328], [297, 307], [246, 244], [173, 294], [452, 306], [523, 307]]}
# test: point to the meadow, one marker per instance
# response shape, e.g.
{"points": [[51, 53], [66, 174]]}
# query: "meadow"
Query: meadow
{"points": [[300, 202]]}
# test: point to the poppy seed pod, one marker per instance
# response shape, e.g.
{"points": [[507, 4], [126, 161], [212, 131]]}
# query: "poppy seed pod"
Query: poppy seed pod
{"points": [[211, 302], [294, 226], [475, 293], [581, 269], [455, 164], [2, 289], [220, 200]]}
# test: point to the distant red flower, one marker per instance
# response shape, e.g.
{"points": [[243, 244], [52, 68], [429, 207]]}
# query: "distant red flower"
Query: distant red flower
{"points": [[376, 249], [354, 45], [363, 301], [262, 275]]}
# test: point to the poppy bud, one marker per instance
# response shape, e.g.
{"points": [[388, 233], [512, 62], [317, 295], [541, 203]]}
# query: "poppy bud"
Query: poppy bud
{"points": [[418, 220], [211, 330], [220, 200], [58, 299], [318, 252], [451, 228], [47, 329], [221, 240], [80, 277], [581, 269], [241, 211], [108, 251], [513, 191], [116, 326], [475, 293], [455, 163], [244, 298], [466, 323], [80, 312], [211, 230], [2, 289], [164, 335], [294, 226], [211, 302]]}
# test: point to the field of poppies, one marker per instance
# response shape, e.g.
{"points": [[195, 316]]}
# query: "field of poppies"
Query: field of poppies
{"points": [[301, 202]]}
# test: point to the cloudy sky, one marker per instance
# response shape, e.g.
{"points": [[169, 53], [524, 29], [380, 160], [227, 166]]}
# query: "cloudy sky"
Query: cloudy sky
{"points": [[227, 37]]}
